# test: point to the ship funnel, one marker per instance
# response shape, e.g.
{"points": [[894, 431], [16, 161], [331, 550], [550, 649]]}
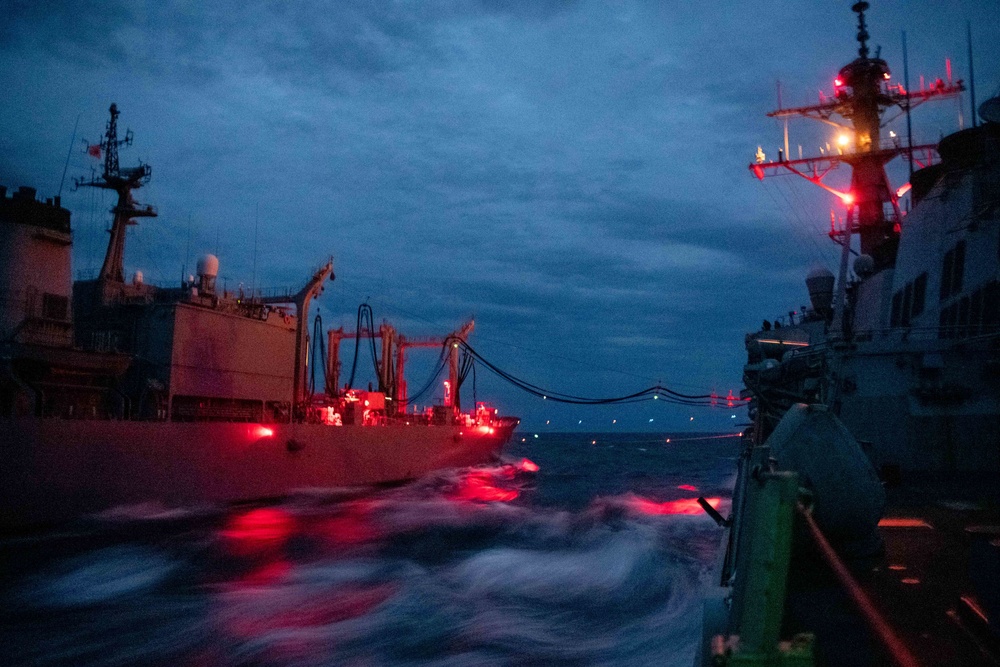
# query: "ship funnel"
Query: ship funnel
{"points": [[208, 270], [820, 282]]}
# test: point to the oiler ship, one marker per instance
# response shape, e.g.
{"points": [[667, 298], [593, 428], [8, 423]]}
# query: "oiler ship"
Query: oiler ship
{"points": [[865, 527], [116, 392]]}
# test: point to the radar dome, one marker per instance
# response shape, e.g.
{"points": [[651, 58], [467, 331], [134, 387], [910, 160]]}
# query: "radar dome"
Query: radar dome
{"points": [[208, 269], [208, 265], [819, 282], [864, 266]]}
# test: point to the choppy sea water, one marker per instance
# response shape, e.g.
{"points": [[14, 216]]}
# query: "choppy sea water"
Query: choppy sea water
{"points": [[595, 557]]}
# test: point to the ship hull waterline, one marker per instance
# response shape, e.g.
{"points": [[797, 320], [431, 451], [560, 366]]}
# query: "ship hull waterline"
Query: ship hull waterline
{"points": [[56, 470]]}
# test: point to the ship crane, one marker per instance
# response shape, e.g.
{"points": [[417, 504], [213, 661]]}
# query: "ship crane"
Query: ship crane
{"points": [[862, 95], [392, 377], [122, 181]]}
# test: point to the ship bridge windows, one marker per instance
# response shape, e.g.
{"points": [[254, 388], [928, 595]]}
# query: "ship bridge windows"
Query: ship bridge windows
{"points": [[972, 315], [908, 302], [953, 271]]}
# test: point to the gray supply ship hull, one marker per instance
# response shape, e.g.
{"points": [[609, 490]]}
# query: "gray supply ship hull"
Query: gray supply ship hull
{"points": [[116, 393], [55, 470]]}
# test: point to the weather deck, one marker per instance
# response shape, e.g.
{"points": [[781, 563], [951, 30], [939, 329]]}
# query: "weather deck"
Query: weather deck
{"points": [[942, 550]]}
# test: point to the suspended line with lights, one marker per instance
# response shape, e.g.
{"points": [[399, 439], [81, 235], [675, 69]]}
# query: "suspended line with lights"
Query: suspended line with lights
{"points": [[656, 392]]}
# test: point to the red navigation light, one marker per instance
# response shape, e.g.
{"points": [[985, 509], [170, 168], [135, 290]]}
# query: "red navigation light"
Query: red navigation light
{"points": [[847, 198], [838, 82], [263, 432]]}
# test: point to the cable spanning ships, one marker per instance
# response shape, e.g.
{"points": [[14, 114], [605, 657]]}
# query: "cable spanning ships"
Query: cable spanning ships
{"points": [[864, 528], [116, 392]]}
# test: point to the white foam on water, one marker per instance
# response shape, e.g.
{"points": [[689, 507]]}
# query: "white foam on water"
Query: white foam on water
{"points": [[98, 577]]}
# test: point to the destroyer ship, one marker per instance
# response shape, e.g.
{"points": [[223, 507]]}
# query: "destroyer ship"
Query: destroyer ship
{"points": [[116, 392], [865, 527]]}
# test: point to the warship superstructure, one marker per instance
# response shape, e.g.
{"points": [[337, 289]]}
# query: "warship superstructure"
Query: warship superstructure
{"points": [[864, 527], [904, 347], [117, 392]]}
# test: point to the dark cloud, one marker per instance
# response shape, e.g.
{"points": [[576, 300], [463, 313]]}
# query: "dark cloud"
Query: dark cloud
{"points": [[574, 174]]}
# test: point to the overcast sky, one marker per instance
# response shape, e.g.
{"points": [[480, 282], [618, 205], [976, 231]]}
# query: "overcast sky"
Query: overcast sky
{"points": [[573, 174]]}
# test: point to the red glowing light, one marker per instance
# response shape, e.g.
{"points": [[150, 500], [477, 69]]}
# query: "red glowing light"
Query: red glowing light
{"points": [[838, 82], [263, 432], [528, 465], [901, 522], [903, 189], [847, 198], [687, 487]]}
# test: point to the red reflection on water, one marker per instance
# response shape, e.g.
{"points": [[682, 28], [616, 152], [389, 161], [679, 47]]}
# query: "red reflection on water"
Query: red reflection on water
{"points": [[283, 623], [267, 575], [527, 465], [353, 526], [258, 530], [682, 506], [687, 487], [478, 486]]}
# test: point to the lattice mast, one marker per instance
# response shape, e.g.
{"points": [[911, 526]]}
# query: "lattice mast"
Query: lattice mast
{"points": [[122, 181], [862, 94]]}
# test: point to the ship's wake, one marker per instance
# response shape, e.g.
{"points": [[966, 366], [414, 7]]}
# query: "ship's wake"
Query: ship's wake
{"points": [[459, 568]]}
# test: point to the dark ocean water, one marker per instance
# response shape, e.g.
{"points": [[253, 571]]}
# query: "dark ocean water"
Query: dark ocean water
{"points": [[594, 558]]}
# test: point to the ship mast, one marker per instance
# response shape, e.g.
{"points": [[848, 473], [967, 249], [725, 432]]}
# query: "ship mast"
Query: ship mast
{"points": [[122, 181], [862, 94]]}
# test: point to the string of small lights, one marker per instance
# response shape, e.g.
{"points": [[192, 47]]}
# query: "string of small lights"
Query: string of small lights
{"points": [[654, 393]]}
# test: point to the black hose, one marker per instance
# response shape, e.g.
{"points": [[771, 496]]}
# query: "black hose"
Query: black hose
{"points": [[656, 392]]}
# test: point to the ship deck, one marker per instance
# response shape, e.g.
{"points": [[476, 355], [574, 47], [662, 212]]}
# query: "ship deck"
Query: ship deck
{"points": [[937, 584]]}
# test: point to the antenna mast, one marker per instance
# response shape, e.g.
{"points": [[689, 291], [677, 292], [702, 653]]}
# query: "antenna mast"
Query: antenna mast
{"points": [[862, 94], [122, 181]]}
